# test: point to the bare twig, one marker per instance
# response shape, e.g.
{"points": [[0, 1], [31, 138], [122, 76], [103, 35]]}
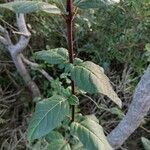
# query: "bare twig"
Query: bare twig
{"points": [[24, 38], [11, 96], [5, 36], [3, 40], [10, 77], [20, 33]]}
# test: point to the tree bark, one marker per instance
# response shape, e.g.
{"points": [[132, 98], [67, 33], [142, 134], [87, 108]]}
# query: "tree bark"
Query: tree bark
{"points": [[138, 108], [26, 76]]}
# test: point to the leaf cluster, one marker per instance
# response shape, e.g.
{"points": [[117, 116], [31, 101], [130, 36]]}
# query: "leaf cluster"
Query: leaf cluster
{"points": [[53, 113]]}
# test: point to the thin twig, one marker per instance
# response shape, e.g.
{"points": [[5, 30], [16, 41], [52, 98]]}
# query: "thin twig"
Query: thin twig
{"points": [[148, 131], [99, 107], [37, 67]]}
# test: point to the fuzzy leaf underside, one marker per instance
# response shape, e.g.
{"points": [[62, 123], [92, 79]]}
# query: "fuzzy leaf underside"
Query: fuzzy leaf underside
{"points": [[60, 144], [91, 78], [48, 115], [30, 6], [53, 56], [90, 133]]}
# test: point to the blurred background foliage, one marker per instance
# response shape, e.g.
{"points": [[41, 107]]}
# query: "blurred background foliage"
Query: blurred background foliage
{"points": [[115, 36]]}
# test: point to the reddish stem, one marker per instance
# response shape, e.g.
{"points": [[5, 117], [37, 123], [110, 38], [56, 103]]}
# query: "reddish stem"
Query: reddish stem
{"points": [[69, 21]]}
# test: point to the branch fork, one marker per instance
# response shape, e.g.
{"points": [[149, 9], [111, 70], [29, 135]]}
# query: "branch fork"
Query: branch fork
{"points": [[16, 50]]}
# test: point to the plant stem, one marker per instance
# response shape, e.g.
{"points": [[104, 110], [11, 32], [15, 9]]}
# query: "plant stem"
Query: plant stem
{"points": [[69, 21]]}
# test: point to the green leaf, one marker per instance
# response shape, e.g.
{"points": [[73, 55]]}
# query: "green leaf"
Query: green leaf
{"points": [[48, 115], [87, 4], [147, 47], [58, 89], [91, 78], [30, 6], [117, 112], [53, 56], [146, 143], [93, 117], [77, 61], [39, 145], [53, 135], [2, 121], [90, 133], [76, 144], [56, 141], [68, 67], [73, 100], [59, 145]]}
